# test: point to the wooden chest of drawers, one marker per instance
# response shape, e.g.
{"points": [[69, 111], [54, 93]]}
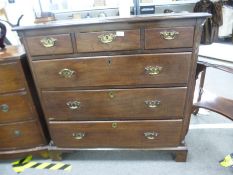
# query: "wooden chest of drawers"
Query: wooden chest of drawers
{"points": [[116, 83], [20, 128]]}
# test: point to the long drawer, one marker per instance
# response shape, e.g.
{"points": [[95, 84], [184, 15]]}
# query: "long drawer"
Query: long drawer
{"points": [[117, 134], [20, 135], [114, 71], [11, 77], [144, 103], [15, 107]]}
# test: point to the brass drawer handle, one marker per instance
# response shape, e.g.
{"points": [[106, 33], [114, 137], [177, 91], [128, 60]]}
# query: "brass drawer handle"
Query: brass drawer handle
{"points": [[48, 42], [169, 35], [152, 103], [151, 135], [17, 133], [78, 135], [66, 73], [111, 94], [114, 125], [4, 108], [107, 38], [153, 70], [73, 104]]}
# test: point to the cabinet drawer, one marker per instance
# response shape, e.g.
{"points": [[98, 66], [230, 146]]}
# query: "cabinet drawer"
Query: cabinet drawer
{"points": [[145, 103], [50, 44], [114, 71], [117, 134], [156, 38], [108, 40], [20, 135], [11, 77], [15, 107]]}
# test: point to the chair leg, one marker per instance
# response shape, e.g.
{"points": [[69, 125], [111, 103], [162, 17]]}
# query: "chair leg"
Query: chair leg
{"points": [[201, 85]]}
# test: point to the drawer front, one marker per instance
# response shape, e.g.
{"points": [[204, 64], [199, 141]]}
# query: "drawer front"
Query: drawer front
{"points": [[145, 103], [15, 107], [114, 71], [20, 135], [11, 77], [126, 134], [108, 41], [50, 44], [156, 38]]}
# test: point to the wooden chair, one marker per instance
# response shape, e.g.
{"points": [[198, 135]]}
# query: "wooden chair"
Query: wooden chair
{"points": [[218, 104]]}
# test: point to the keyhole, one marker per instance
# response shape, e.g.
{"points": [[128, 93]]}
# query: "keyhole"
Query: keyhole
{"points": [[109, 61]]}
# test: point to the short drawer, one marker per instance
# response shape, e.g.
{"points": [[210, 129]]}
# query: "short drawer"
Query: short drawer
{"points": [[156, 38], [145, 69], [20, 135], [108, 40], [117, 134], [144, 103], [16, 107], [11, 77], [50, 44]]}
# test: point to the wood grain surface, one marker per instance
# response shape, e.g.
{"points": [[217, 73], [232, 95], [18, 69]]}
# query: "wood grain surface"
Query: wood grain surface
{"points": [[115, 104], [127, 134], [114, 71]]}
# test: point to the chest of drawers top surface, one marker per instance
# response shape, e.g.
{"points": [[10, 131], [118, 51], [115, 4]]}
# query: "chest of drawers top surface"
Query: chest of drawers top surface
{"points": [[12, 53], [112, 20]]}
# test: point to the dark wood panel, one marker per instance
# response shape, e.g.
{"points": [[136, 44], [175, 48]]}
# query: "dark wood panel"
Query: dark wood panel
{"points": [[171, 68], [188, 109], [108, 40], [41, 151], [16, 107], [115, 104], [117, 134], [62, 45], [20, 135], [112, 53], [11, 77], [12, 53], [173, 37]]}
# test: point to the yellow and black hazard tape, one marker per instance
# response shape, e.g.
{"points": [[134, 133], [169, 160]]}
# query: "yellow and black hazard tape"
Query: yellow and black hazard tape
{"points": [[227, 161], [49, 166], [20, 165]]}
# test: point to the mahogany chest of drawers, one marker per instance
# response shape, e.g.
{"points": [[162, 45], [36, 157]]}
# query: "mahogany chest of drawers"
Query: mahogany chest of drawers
{"points": [[116, 83], [20, 128]]}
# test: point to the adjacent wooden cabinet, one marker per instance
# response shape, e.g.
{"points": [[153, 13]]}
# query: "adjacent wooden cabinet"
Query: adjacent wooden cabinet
{"points": [[20, 128], [124, 83]]}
